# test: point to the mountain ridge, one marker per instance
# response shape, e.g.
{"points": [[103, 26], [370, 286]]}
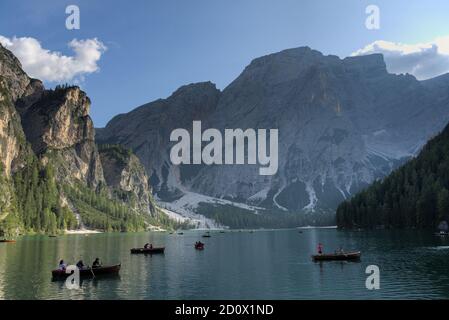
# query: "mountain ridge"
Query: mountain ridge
{"points": [[343, 123]]}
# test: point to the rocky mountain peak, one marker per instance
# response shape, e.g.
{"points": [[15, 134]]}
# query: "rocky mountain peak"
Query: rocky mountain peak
{"points": [[59, 120], [283, 66], [194, 88], [15, 79], [370, 65]]}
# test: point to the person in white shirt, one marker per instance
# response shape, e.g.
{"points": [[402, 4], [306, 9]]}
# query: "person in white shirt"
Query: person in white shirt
{"points": [[62, 265]]}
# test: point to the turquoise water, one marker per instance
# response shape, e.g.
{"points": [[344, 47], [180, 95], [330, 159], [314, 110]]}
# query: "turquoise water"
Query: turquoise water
{"points": [[234, 265]]}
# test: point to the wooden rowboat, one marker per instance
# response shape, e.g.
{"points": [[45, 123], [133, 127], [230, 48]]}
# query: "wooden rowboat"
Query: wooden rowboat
{"points": [[89, 272], [7, 241], [199, 246], [345, 256], [148, 250]]}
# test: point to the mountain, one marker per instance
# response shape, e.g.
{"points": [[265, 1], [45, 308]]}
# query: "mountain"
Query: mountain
{"points": [[343, 123], [126, 177], [53, 177], [151, 125], [414, 196]]}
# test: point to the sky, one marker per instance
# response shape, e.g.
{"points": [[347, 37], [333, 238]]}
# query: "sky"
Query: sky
{"points": [[128, 53]]}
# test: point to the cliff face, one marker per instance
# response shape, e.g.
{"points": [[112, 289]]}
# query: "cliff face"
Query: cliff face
{"points": [[14, 83], [11, 133], [126, 177], [58, 125], [11, 145], [15, 80]]}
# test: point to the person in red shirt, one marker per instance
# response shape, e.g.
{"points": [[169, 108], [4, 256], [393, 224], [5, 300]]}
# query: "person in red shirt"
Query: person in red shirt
{"points": [[320, 248]]}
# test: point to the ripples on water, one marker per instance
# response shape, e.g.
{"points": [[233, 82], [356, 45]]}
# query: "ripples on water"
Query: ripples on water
{"points": [[234, 265]]}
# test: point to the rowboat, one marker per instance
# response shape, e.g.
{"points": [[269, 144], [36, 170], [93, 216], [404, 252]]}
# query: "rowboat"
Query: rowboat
{"points": [[355, 255], [148, 250], [7, 241], [199, 246], [206, 235], [89, 272]]}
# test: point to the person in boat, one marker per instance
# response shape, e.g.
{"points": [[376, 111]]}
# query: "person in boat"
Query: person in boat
{"points": [[339, 251], [80, 265], [320, 248], [96, 263], [148, 246], [62, 266]]}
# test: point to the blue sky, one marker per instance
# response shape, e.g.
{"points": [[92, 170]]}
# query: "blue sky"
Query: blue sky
{"points": [[153, 46]]}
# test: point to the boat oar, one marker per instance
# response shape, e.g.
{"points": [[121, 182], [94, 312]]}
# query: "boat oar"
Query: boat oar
{"points": [[91, 270]]}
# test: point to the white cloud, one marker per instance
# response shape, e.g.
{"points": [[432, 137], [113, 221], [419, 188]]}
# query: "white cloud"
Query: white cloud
{"points": [[423, 60], [52, 66]]}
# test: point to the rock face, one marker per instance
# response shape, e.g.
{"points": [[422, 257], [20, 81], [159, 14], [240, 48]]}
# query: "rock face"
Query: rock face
{"points": [[11, 133], [342, 124], [126, 177], [11, 147], [15, 80], [13, 84], [59, 125]]}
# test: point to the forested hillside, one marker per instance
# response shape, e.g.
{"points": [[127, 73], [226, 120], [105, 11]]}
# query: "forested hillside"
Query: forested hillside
{"points": [[415, 195]]}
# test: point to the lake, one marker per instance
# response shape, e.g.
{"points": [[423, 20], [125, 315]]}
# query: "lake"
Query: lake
{"points": [[273, 264]]}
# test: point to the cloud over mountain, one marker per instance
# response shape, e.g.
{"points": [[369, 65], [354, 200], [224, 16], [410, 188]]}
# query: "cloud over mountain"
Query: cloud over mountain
{"points": [[53, 66], [423, 60]]}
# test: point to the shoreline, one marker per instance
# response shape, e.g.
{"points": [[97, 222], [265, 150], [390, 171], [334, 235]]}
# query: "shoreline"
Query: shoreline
{"points": [[82, 231]]}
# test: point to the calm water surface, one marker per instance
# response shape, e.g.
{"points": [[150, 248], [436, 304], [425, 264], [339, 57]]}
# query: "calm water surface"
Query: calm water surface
{"points": [[234, 265]]}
